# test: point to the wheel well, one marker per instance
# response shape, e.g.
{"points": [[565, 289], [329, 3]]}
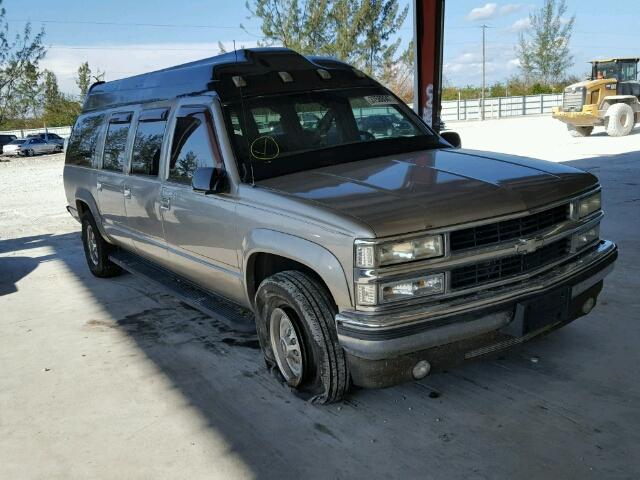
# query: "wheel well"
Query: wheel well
{"points": [[82, 208], [263, 265], [611, 102]]}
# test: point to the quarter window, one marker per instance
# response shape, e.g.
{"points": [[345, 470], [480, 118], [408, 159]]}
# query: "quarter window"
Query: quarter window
{"points": [[148, 142], [116, 142], [194, 144], [83, 140]]}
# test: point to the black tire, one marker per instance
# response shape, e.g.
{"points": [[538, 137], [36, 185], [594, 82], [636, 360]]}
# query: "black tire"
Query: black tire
{"points": [[325, 374], [28, 153], [620, 120], [98, 261], [579, 131]]}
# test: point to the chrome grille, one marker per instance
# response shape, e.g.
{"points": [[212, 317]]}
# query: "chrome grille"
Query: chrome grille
{"points": [[493, 233], [573, 101], [501, 268]]}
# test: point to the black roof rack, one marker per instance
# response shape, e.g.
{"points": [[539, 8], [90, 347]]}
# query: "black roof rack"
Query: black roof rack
{"points": [[259, 69]]}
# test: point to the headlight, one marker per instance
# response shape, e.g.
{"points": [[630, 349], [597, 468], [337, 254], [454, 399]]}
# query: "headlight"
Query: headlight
{"points": [[416, 287], [584, 238], [588, 205], [389, 253]]}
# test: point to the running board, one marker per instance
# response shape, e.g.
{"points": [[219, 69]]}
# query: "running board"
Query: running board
{"points": [[234, 316]]}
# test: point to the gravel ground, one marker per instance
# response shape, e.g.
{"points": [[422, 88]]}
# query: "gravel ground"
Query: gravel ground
{"points": [[111, 379]]}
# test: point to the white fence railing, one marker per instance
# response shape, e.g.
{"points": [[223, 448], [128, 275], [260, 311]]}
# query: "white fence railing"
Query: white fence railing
{"points": [[453, 110], [64, 132]]}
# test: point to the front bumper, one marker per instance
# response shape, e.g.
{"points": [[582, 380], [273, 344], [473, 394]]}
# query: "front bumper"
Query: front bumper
{"points": [[585, 118], [450, 331]]}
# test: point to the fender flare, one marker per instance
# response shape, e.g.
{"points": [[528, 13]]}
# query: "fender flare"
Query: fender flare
{"points": [[630, 100], [303, 251], [85, 196]]}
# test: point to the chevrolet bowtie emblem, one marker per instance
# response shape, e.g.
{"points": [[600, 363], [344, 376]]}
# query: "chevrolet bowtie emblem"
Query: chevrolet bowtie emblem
{"points": [[528, 246]]}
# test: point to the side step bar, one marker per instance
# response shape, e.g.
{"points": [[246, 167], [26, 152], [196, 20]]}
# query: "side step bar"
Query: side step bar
{"points": [[234, 316]]}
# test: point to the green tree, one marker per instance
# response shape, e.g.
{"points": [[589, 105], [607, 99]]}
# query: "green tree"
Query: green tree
{"points": [[28, 93], [302, 25], [83, 80], [361, 32], [59, 109], [19, 58], [380, 20], [543, 50]]}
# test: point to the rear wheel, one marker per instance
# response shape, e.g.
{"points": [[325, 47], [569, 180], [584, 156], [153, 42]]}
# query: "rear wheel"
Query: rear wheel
{"points": [[579, 131], [297, 333], [620, 120], [97, 250]]}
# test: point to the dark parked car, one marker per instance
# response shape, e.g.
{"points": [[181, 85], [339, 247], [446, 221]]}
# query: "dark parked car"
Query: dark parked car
{"points": [[357, 259], [51, 138], [5, 139], [385, 126]]}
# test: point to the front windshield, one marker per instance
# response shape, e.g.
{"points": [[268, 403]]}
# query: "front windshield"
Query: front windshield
{"points": [[282, 134]]}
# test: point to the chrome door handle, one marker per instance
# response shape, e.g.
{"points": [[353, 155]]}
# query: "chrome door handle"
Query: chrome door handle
{"points": [[99, 186], [126, 191]]}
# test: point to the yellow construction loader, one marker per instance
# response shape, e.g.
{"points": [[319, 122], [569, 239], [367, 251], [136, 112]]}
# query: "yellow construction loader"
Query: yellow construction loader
{"points": [[610, 98]]}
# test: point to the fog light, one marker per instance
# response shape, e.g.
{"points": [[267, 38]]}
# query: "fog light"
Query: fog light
{"points": [[588, 305], [421, 369]]}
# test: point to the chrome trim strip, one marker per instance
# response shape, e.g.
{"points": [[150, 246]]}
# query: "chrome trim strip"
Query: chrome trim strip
{"points": [[399, 317]]}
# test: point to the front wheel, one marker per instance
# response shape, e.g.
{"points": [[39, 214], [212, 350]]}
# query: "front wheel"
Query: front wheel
{"points": [[28, 153], [620, 120], [296, 327]]}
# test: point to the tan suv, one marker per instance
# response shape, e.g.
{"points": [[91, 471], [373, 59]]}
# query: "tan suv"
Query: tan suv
{"points": [[252, 187]]}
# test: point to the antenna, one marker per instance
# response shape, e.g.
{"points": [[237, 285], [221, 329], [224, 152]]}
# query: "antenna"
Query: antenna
{"points": [[244, 122]]}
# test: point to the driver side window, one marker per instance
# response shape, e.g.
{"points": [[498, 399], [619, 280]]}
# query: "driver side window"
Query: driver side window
{"points": [[194, 144]]}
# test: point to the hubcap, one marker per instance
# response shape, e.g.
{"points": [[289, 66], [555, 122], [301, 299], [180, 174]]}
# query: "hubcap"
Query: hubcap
{"points": [[92, 243], [623, 120], [286, 346]]}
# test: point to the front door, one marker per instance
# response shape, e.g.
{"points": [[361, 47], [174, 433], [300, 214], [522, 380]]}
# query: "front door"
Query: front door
{"points": [[141, 190], [111, 179], [199, 229]]}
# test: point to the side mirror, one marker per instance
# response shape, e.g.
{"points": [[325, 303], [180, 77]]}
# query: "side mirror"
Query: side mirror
{"points": [[452, 138], [210, 180]]}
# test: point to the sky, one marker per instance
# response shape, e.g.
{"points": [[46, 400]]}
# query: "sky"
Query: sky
{"points": [[127, 37]]}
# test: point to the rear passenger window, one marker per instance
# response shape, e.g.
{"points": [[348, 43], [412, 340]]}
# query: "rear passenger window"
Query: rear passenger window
{"points": [[145, 159], [83, 141], [194, 144], [115, 142]]}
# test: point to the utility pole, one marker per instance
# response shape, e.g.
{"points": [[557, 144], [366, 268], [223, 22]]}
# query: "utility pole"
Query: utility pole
{"points": [[484, 28]]}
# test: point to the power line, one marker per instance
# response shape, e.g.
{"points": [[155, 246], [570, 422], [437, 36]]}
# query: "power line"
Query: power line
{"points": [[129, 24]]}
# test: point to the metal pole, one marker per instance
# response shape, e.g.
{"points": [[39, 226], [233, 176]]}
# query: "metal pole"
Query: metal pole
{"points": [[458, 105], [484, 27]]}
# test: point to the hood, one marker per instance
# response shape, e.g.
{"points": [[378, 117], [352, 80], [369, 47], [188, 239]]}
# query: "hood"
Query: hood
{"points": [[435, 188]]}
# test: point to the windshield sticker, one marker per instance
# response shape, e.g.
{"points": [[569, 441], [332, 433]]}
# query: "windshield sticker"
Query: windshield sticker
{"points": [[264, 148], [380, 100]]}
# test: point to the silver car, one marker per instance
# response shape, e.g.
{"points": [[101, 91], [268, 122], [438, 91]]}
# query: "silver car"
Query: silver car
{"points": [[29, 147], [357, 257]]}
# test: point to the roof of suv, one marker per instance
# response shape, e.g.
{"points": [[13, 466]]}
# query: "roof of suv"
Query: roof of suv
{"points": [[261, 71]]}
